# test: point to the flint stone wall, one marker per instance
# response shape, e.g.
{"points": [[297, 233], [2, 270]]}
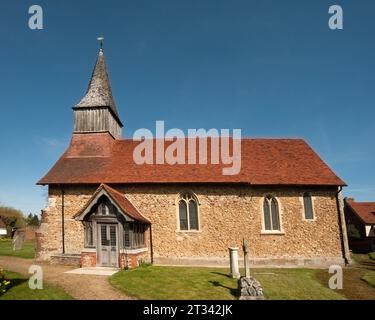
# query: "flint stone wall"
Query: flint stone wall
{"points": [[227, 214]]}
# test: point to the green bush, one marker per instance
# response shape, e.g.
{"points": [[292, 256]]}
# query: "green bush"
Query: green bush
{"points": [[4, 283], [143, 264]]}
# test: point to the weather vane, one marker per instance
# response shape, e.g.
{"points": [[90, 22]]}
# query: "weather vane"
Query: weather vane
{"points": [[100, 39]]}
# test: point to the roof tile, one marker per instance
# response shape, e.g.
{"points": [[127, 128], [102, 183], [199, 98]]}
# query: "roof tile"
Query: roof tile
{"points": [[98, 158], [365, 210], [121, 200]]}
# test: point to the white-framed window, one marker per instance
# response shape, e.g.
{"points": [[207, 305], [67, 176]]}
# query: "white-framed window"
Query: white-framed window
{"points": [[308, 207], [271, 214], [188, 212]]}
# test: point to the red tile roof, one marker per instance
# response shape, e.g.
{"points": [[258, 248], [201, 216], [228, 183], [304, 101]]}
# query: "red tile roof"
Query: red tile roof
{"points": [[364, 210], [98, 158], [121, 201]]}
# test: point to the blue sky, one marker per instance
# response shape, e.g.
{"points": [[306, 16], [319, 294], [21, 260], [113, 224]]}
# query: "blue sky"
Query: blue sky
{"points": [[270, 68]]}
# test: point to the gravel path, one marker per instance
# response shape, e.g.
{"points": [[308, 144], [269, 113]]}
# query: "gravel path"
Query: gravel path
{"points": [[81, 287]]}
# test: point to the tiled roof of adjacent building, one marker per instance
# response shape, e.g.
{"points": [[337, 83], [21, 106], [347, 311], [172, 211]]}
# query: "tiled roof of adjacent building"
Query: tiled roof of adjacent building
{"points": [[364, 210], [98, 158]]}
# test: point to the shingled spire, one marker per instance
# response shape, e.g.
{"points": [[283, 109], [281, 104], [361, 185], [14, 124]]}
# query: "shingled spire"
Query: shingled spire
{"points": [[97, 111]]}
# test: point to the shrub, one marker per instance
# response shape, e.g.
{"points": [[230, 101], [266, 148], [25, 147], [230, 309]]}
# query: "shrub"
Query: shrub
{"points": [[4, 283], [143, 264]]}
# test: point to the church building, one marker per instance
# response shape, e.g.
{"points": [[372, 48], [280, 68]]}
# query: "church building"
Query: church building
{"points": [[106, 210]]}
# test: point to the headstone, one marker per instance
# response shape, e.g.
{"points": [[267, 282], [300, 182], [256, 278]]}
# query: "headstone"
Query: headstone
{"points": [[234, 269], [18, 241], [249, 287]]}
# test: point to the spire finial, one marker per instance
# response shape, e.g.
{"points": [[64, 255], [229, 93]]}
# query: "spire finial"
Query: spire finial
{"points": [[100, 39]]}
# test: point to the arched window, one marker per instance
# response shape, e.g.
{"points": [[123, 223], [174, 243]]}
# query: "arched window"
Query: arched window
{"points": [[271, 214], [308, 206], [103, 209], [104, 206], [89, 234], [188, 212]]}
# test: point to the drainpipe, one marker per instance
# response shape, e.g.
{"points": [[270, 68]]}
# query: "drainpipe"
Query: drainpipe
{"points": [[344, 238], [62, 219], [151, 247]]}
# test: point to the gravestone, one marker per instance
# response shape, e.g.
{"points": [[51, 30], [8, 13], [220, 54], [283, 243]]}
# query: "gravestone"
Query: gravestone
{"points": [[18, 240], [249, 287]]}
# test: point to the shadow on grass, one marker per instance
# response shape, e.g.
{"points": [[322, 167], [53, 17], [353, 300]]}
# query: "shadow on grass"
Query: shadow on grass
{"points": [[233, 292], [367, 265], [221, 274], [363, 261], [13, 283], [354, 287]]}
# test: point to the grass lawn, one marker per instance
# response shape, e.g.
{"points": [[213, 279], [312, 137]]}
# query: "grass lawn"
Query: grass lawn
{"points": [[294, 284], [27, 252], [369, 278], [19, 290], [355, 287], [175, 283]]}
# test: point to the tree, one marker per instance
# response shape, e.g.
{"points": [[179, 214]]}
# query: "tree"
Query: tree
{"points": [[33, 220], [12, 218], [36, 220]]}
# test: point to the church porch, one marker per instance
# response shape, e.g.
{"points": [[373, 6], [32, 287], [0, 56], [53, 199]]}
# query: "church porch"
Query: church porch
{"points": [[116, 233]]}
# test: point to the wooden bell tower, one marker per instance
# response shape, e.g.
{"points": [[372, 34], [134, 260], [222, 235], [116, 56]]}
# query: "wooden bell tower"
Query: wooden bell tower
{"points": [[97, 111]]}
